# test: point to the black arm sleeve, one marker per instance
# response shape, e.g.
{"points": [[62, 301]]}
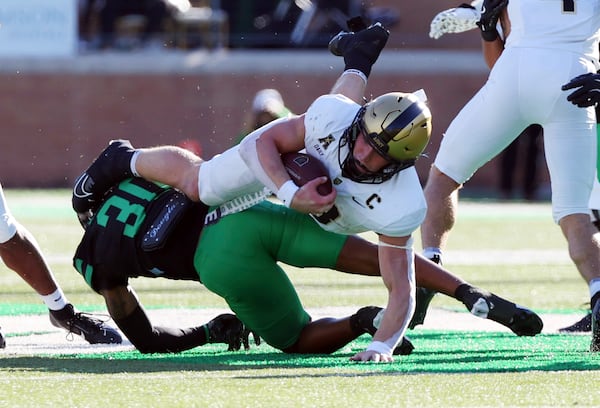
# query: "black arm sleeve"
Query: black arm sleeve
{"points": [[151, 339]]}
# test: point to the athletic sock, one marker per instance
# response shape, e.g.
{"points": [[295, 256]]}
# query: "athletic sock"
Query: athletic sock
{"points": [[55, 300], [432, 253]]}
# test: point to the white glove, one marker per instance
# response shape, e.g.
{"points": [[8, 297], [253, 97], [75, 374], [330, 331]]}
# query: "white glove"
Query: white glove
{"points": [[456, 20]]}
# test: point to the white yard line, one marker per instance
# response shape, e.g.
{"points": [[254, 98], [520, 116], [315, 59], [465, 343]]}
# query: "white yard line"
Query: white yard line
{"points": [[51, 340], [511, 257]]}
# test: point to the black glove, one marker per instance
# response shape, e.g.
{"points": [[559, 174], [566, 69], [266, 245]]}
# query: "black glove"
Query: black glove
{"points": [[228, 329], [490, 13], [360, 49], [588, 93]]}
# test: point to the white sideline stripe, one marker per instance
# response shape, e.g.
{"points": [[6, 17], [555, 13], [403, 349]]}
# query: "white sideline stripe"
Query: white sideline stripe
{"points": [[53, 340], [504, 257]]}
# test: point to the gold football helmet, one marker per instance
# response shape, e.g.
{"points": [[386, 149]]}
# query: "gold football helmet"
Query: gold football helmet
{"points": [[397, 125]]}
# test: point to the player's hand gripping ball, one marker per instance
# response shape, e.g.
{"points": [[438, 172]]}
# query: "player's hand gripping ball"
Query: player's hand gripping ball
{"points": [[303, 168]]}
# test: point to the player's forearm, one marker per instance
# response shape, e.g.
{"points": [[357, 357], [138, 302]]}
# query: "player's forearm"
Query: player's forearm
{"points": [[153, 339], [261, 150], [268, 153], [397, 272], [492, 51], [394, 324]]}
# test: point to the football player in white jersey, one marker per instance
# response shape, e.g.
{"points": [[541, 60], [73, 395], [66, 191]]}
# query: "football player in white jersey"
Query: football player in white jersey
{"points": [[369, 150], [547, 42], [585, 92]]}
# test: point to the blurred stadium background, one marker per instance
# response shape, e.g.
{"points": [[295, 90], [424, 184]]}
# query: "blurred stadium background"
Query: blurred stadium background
{"points": [[63, 99]]}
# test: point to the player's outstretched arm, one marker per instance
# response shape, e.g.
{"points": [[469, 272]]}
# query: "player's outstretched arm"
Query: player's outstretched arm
{"points": [[262, 154], [131, 318], [397, 271], [466, 17], [456, 20]]}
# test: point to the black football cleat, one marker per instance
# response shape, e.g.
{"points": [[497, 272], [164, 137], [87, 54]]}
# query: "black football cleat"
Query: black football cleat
{"points": [[522, 321], [423, 299], [360, 49], [368, 42], [368, 320], [595, 345], [94, 331], [582, 326], [108, 169]]}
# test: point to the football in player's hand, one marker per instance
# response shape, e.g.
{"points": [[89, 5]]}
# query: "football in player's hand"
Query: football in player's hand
{"points": [[303, 168]]}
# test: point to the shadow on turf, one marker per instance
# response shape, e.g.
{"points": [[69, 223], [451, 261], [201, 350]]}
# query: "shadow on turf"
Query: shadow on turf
{"points": [[436, 352]]}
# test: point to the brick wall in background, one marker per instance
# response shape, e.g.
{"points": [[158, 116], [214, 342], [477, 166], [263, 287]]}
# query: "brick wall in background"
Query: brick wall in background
{"points": [[55, 123], [56, 115]]}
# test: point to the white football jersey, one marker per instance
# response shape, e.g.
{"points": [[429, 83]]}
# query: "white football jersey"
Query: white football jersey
{"points": [[8, 226], [395, 207], [570, 25]]}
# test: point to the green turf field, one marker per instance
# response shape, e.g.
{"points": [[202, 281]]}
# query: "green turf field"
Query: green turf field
{"points": [[514, 250]]}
